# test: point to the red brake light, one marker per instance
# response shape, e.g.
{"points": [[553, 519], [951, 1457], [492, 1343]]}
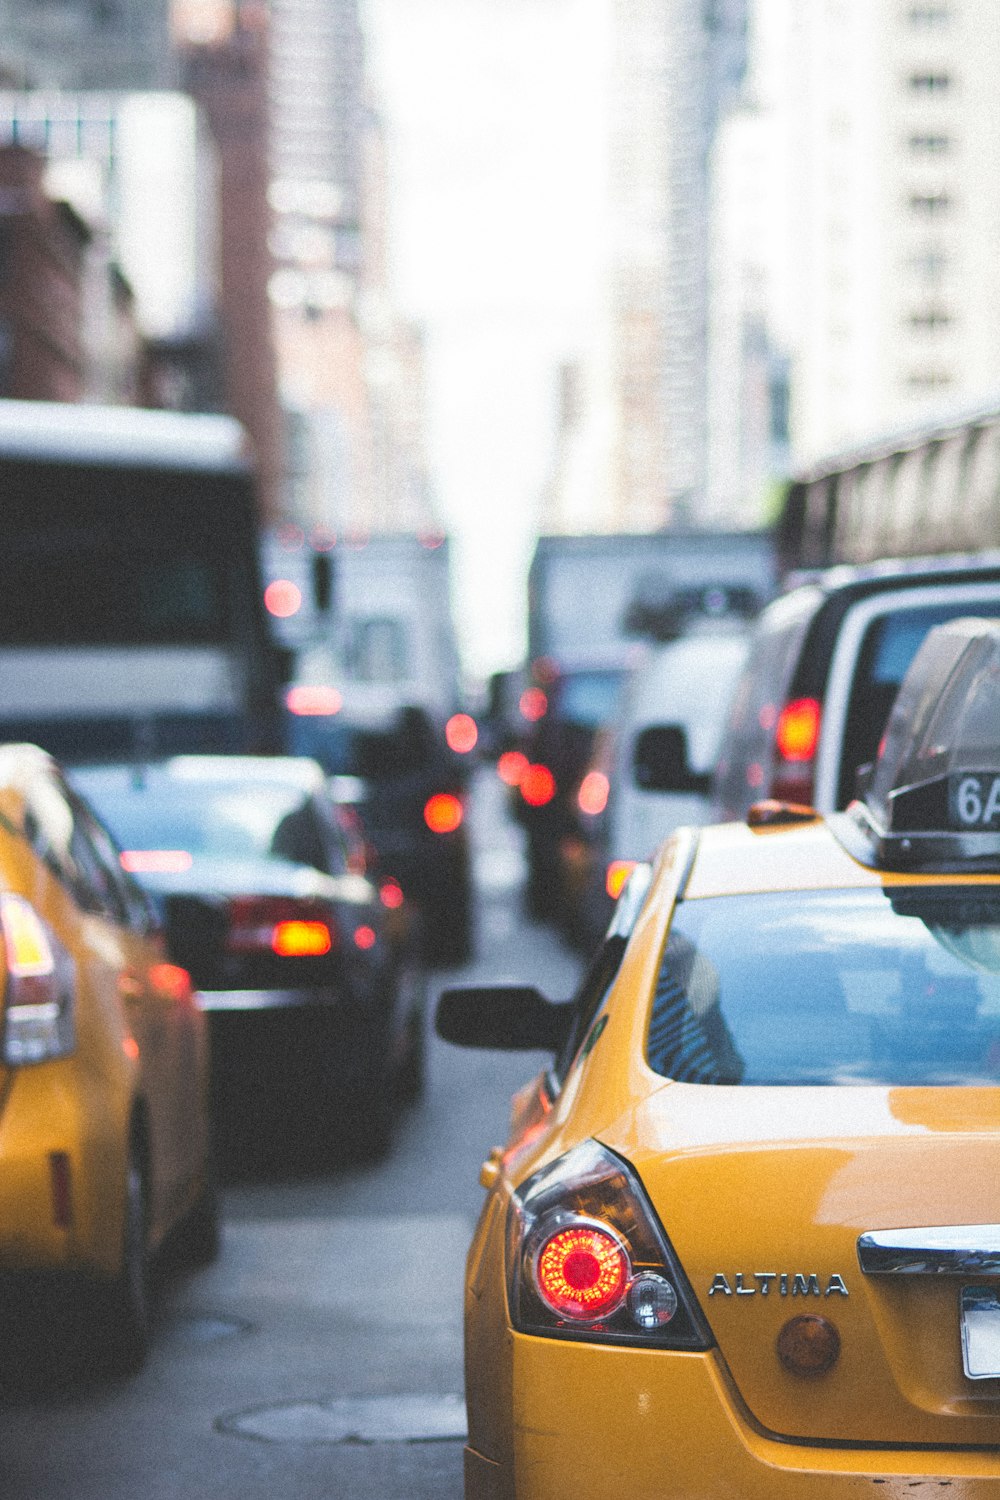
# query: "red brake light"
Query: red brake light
{"points": [[538, 786], [282, 925], [461, 733], [301, 939], [582, 1271], [592, 798], [313, 702], [391, 894], [282, 598], [364, 937], [155, 861], [171, 980], [443, 813], [534, 705], [619, 871], [511, 767], [797, 733]]}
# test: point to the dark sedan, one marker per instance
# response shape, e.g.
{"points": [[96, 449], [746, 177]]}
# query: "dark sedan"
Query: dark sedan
{"points": [[303, 963]]}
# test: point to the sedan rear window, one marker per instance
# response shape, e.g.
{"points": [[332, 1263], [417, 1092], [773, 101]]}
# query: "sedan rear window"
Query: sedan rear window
{"points": [[900, 987]]}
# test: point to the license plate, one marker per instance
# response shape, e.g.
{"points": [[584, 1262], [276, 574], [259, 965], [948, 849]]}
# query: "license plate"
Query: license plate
{"points": [[981, 1333], [974, 801]]}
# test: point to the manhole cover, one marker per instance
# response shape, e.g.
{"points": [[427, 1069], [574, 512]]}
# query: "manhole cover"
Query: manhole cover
{"points": [[202, 1328], [354, 1419]]}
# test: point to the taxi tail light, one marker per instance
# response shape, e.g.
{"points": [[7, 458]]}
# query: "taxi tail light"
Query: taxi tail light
{"points": [[587, 1258], [282, 925], [39, 1021]]}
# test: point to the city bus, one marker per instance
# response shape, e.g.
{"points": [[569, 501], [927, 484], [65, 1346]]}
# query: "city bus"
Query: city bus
{"points": [[131, 610]]}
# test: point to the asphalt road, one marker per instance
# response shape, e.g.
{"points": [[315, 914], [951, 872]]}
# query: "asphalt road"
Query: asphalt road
{"points": [[321, 1355]]}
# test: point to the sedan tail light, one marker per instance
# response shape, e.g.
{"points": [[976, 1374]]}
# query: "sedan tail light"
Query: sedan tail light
{"points": [[588, 1259], [285, 925], [39, 1020]]}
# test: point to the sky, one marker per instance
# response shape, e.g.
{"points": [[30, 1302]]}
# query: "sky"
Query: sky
{"points": [[493, 109]]}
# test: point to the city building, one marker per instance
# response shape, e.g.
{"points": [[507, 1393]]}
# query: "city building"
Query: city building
{"points": [[225, 68], [350, 373], [43, 252], [86, 44], [878, 144]]}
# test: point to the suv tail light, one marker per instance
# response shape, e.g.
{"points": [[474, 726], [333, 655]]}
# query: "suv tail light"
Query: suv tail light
{"points": [[796, 739], [587, 1258], [39, 1020], [285, 925]]}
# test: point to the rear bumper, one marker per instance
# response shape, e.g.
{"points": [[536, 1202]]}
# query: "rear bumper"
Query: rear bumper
{"points": [[257, 1000], [584, 1417]]}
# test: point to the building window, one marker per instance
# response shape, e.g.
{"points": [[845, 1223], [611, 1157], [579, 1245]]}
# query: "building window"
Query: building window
{"points": [[924, 381], [930, 83], [930, 145], [930, 264], [930, 319], [930, 205], [930, 15]]}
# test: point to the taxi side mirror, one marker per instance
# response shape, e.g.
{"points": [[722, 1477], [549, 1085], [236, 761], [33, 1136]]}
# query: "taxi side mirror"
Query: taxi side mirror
{"points": [[509, 1018]]}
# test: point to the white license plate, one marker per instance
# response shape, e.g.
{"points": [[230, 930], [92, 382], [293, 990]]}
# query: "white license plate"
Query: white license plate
{"points": [[981, 1333]]}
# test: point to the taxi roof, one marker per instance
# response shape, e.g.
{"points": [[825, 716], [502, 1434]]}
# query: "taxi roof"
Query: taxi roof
{"points": [[733, 859]]}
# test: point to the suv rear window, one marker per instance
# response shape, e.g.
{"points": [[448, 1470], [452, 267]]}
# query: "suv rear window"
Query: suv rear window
{"points": [[837, 987], [887, 649]]}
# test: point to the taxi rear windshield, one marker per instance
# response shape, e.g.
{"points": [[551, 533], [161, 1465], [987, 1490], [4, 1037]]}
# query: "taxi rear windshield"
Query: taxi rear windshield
{"points": [[897, 987]]}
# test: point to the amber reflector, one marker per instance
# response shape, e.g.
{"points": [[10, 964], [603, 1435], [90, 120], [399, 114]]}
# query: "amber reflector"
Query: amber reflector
{"points": [[443, 813], [808, 1345]]}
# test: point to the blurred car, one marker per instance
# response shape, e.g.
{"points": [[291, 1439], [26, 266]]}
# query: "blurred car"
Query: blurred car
{"points": [[307, 969], [104, 1124], [744, 1237], [564, 709], [825, 663], [651, 769], [412, 798]]}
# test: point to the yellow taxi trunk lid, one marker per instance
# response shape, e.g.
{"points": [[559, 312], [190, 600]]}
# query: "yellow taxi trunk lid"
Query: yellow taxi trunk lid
{"points": [[765, 1193]]}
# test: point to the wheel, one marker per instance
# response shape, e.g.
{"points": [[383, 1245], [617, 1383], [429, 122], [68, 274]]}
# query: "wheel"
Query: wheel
{"points": [[121, 1325], [410, 1077], [368, 1097]]}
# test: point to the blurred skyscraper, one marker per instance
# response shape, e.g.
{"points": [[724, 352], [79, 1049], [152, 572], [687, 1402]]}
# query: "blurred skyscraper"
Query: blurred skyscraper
{"points": [[673, 71], [350, 374]]}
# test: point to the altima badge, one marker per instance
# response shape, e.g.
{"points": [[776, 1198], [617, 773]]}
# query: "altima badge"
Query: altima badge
{"points": [[784, 1283]]}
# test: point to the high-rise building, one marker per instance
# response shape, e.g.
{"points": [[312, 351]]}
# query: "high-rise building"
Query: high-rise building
{"points": [[674, 69], [883, 169], [351, 375]]}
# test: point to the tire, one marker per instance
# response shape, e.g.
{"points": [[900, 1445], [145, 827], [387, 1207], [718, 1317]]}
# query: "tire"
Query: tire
{"points": [[411, 1076], [121, 1326], [369, 1099], [199, 1237]]}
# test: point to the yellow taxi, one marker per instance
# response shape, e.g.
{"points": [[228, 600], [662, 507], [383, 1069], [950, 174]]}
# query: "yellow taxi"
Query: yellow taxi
{"points": [[744, 1238], [104, 1132]]}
